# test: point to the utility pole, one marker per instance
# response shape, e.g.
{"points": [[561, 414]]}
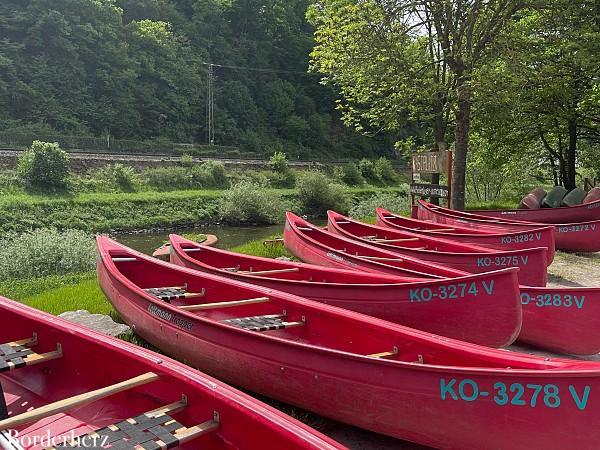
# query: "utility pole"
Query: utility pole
{"points": [[210, 108]]}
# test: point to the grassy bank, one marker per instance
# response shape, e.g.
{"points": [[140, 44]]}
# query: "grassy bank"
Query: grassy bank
{"points": [[101, 212]]}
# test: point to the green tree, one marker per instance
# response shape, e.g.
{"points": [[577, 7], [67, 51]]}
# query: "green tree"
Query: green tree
{"points": [[44, 165]]}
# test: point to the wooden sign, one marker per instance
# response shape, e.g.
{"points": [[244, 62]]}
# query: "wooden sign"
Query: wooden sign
{"points": [[431, 162], [429, 190]]}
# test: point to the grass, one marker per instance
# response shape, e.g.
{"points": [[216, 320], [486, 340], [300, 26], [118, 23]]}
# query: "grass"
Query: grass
{"points": [[265, 249], [59, 293], [102, 212]]}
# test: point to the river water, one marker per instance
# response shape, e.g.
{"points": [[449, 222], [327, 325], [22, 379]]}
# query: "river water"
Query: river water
{"points": [[229, 236]]}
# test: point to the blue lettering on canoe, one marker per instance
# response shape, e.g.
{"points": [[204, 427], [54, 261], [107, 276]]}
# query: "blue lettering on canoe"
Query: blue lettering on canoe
{"points": [[516, 394], [447, 389], [580, 402]]}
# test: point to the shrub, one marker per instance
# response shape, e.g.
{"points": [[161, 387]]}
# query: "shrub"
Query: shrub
{"points": [[9, 181], [351, 174], [210, 174], [169, 178], [394, 201], [317, 194], [279, 162], [385, 171], [46, 252], [367, 170], [247, 202], [186, 160], [282, 179], [259, 178], [123, 176], [44, 165]]}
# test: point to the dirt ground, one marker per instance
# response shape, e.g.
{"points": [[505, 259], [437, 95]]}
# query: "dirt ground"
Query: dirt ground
{"points": [[566, 270]]}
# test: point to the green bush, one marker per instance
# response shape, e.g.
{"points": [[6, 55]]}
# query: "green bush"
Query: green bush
{"points": [[367, 170], [169, 178], [282, 179], [123, 176], [46, 252], [10, 181], [398, 202], [44, 165], [317, 193], [279, 162], [247, 202], [384, 170], [186, 160], [210, 174], [351, 175]]}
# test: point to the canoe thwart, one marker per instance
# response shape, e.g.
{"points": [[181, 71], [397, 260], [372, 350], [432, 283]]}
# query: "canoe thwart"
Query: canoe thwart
{"points": [[78, 400], [14, 355], [153, 429], [384, 354], [174, 293], [264, 323], [229, 304], [383, 241], [192, 249], [116, 259]]}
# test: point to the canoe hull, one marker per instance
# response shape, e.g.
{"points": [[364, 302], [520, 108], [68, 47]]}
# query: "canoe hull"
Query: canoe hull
{"points": [[566, 214], [459, 408], [564, 320], [483, 309], [506, 240], [582, 236], [531, 262], [92, 360]]}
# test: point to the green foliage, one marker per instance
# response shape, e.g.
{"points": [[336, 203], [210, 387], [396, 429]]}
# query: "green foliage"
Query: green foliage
{"points": [[135, 69], [168, 178], [44, 165], [186, 160], [385, 171], [46, 252], [317, 194], [279, 162], [246, 202], [398, 202], [124, 176], [210, 174], [264, 248], [367, 170], [285, 179], [351, 174]]}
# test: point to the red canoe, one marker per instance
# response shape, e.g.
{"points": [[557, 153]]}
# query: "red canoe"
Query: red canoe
{"points": [[531, 262], [542, 237], [317, 246], [164, 250], [581, 237], [566, 324], [61, 381], [493, 296], [354, 368], [314, 245], [566, 214]]}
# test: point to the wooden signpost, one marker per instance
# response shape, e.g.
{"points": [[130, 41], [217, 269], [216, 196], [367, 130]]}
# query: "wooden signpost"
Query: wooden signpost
{"points": [[431, 163]]}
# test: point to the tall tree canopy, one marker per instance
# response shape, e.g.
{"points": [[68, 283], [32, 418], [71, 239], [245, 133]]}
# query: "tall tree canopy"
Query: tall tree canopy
{"points": [[137, 69]]}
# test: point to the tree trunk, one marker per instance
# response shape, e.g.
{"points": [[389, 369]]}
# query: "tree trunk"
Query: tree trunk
{"points": [[439, 135], [463, 122], [570, 180]]}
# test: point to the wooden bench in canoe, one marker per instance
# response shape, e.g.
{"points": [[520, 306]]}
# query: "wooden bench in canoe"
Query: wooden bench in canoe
{"points": [[66, 386], [339, 361]]}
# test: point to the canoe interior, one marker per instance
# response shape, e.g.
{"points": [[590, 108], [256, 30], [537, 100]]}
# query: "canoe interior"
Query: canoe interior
{"points": [[323, 326], [240, 264], [89, 362]]}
